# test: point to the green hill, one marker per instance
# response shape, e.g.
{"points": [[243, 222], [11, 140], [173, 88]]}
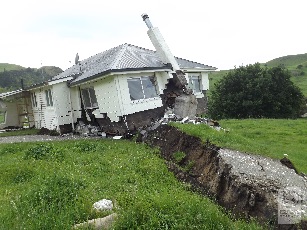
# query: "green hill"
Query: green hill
{"points": [[11, 75], [8, 67], [289, 61]]}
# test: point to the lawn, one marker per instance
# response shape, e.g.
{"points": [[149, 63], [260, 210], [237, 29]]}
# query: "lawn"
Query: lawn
{"points": [[267, 137], [53, 186], [20, 132]]}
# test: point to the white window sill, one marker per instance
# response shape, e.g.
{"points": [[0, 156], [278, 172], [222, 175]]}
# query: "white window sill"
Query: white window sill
{"points": [[140, 101], [199, 95]]}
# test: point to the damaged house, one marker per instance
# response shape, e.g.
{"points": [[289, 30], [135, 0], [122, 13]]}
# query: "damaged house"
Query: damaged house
{"points": [[120, 89]]}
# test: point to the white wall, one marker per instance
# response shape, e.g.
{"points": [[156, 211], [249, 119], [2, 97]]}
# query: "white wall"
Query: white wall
{"points": [[62, 104], [107, 98], [75, 103], [44, 116], [205, 81]]}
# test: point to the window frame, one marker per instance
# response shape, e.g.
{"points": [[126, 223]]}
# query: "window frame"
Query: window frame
{"points": [[145, 92], [49, 99], [92, 100], [34, 99], [192, 78], [3, 112]]}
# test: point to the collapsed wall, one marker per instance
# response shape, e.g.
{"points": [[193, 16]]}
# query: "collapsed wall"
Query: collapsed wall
{"points": [[248, 185]]}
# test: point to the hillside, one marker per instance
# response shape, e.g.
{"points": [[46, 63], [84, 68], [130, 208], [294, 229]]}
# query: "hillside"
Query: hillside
{"points": [[8, 67], [296, 64], [11, 75]]}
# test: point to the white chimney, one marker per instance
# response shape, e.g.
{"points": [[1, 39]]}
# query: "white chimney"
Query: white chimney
{"points": [[160, 45]]}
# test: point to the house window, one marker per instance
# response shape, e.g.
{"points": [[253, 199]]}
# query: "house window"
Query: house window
{"points": [[2, 116], [89, 98], [195, 83], [33, 99], [49, 100], [142, 88]]}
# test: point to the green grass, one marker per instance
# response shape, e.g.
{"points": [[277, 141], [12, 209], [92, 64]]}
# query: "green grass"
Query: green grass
{"points": [[9, 67], [21, 132], [53, 186], [267, 137], [289, 60]]}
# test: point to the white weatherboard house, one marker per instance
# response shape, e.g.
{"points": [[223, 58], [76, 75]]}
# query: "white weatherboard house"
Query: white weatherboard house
{"points": [[121, 88]]}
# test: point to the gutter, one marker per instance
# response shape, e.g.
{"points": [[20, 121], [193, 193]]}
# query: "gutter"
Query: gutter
{"points": [[107, 72]]}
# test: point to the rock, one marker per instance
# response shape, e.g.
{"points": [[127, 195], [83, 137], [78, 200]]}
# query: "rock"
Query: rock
{"points": [[185, 106], [103, 205], [100, 223]]}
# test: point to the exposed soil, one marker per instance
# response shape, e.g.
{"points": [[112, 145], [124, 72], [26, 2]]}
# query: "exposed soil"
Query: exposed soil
{"points": [[246, 184]]}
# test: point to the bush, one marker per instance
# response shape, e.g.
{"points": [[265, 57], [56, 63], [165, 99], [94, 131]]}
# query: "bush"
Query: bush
{"points": [[254, 92]]}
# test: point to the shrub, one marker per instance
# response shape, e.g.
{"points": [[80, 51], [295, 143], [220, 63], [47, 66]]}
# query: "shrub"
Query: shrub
{"points": [[254, 92]]}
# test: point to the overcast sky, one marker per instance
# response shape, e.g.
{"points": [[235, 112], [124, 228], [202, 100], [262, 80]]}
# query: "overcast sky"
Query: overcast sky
{"points": [[220, 33]]}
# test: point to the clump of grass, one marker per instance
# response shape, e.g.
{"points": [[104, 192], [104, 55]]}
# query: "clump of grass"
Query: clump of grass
{"points": [[10, 149], [178, 156], [50, 202], [43, 151], [85, 146]]}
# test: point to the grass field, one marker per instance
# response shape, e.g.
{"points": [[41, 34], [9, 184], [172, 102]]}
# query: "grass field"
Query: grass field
{"points": [[53, 186], [267, 137]]}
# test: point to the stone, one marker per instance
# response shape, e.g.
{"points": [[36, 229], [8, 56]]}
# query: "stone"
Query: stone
{"points": [[185, 106], [103, 205], [100, 223]]}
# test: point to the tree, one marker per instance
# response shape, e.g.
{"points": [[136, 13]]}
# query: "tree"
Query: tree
{"points": [[255, 92]]}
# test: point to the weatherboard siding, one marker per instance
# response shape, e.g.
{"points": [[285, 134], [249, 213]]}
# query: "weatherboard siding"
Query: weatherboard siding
{"points": [[44, 116], [107, 98], [62, 104]]}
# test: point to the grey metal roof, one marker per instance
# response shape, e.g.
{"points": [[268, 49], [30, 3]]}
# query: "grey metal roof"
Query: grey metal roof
{"points": [[11, 93], [121, 58]]}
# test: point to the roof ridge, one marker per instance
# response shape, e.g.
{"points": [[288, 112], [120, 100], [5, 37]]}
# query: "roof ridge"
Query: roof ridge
{"points": [[119, 55]]}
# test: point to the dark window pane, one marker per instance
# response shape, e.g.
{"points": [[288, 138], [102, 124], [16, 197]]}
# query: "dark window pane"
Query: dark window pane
{"points": [[93, 97], [149, 87], [135, 89], [47, 97], [50, 98], [86, 98], [195, 80]]}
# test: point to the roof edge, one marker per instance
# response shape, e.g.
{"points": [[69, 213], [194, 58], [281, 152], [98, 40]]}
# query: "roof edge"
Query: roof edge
{"points": [[72, 83]]}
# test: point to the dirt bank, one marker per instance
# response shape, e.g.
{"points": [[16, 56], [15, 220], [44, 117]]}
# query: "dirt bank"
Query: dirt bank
{"points": [[248, 185]]}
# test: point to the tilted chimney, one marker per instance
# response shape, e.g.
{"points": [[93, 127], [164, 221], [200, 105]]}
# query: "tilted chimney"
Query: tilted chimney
{"points": [[160, 45]]}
